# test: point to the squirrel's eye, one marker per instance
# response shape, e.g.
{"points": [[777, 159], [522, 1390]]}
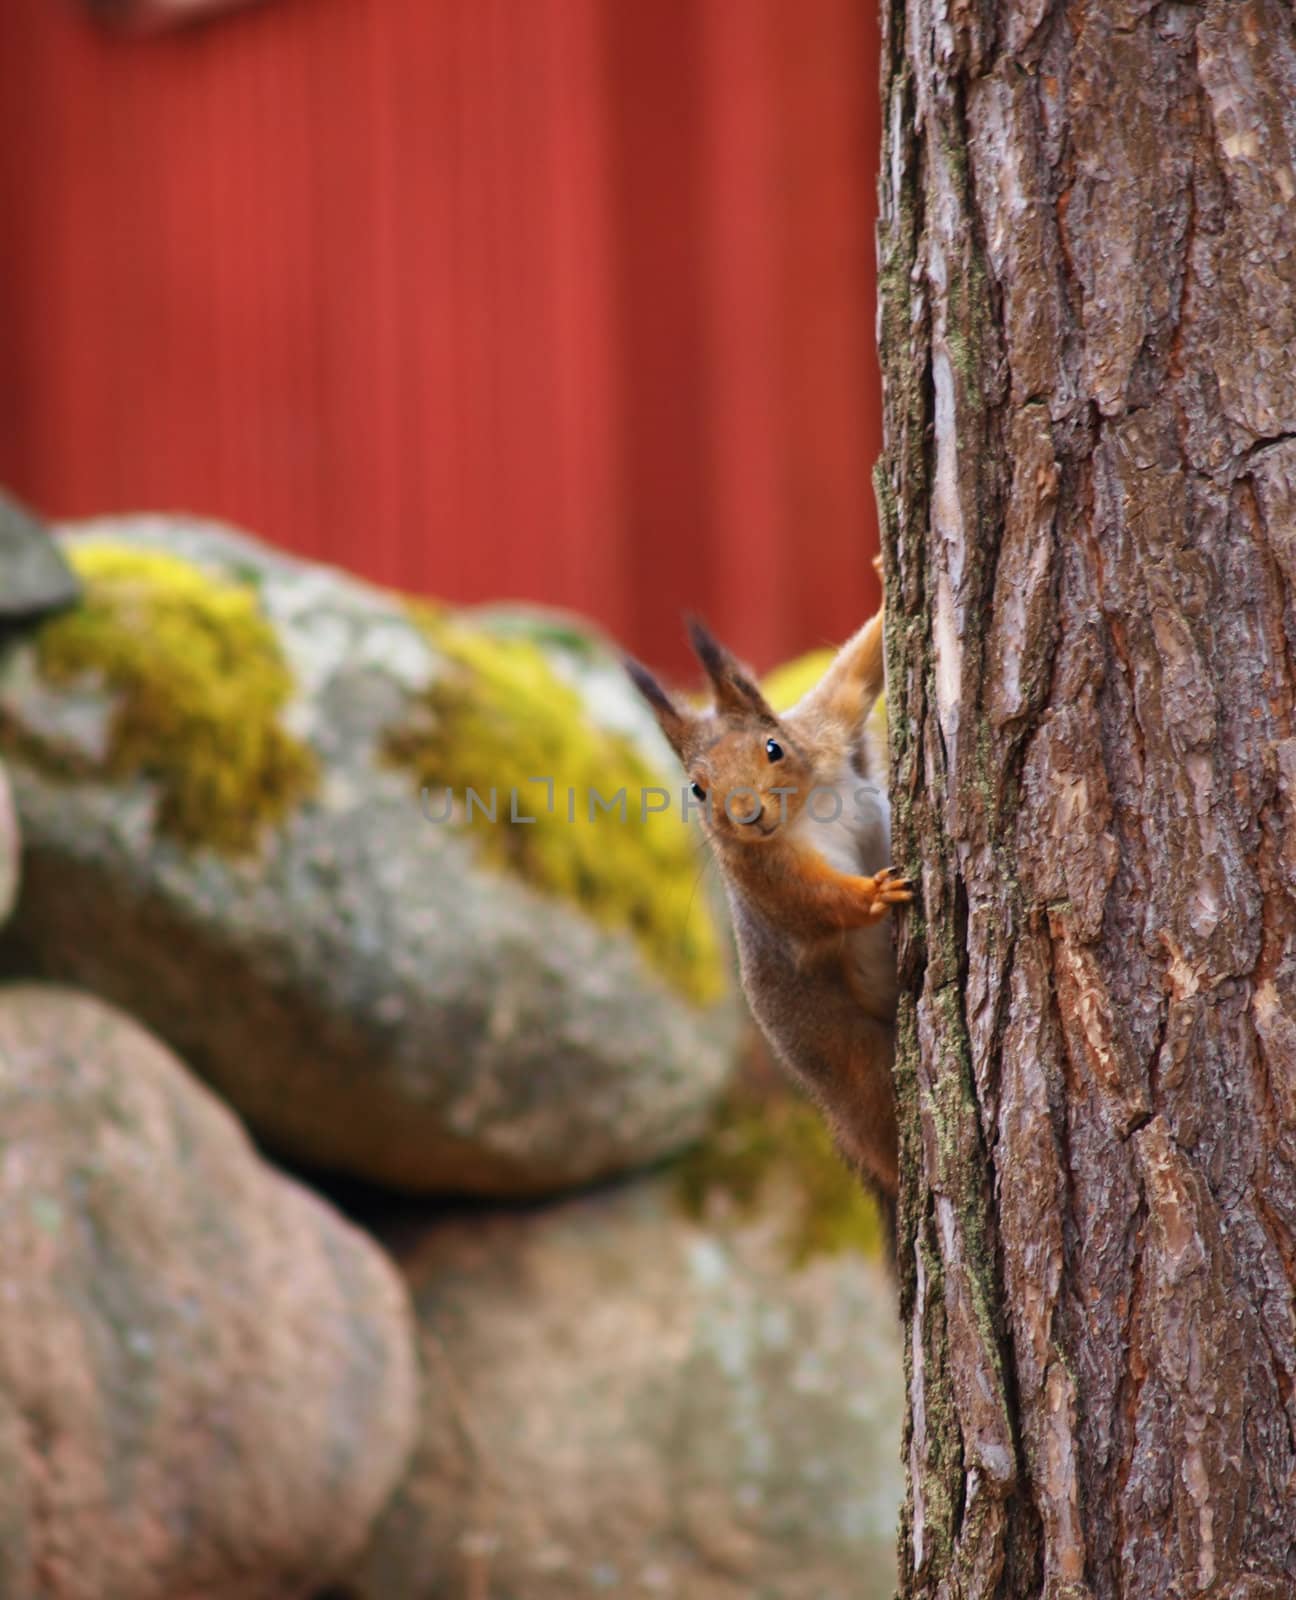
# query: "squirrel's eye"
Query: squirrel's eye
{"points": [[773, 749], [698, 792]]}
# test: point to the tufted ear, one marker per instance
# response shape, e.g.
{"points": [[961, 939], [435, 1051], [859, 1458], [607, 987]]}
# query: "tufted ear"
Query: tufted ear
{"points": [[732, 684], [677, 725]]}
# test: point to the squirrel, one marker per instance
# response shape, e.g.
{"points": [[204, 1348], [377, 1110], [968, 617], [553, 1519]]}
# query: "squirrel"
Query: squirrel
{"points": [[800, 828]]}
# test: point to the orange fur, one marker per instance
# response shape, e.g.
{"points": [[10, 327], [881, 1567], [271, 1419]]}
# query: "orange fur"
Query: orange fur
{"points": [[809, 897]]}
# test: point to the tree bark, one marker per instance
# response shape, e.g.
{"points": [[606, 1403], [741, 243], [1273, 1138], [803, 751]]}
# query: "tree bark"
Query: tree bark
{"points": [[1088, 282]]}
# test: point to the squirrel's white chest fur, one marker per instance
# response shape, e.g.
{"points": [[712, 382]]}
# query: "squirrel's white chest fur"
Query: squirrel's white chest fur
{"points": [[848, 822]]}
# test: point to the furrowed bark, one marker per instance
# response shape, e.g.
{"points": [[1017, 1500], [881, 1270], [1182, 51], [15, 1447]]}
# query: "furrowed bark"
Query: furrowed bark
{"points": [[1088, 280]]}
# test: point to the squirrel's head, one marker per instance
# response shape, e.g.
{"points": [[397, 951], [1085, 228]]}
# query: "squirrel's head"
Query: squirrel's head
{"points": [[749, 775]]}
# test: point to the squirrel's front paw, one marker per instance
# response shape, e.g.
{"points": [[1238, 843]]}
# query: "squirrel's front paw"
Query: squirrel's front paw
{"points": [[888, 888], [892, 886]]}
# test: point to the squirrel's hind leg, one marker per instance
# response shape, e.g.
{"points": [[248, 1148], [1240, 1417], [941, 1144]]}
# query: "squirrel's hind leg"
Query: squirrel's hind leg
{"points": [[863, 1111]]}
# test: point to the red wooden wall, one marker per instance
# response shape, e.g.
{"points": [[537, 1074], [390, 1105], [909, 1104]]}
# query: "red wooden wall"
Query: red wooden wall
{"points": [[562, 299]]}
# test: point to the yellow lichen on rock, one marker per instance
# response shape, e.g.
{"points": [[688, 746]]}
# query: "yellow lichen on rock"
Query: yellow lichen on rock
{"points": [[200, 682], [498, 718]]}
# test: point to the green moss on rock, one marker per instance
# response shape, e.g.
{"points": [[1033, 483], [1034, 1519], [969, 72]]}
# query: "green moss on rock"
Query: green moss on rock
{"points": [[497, 718], [763, 1148], [200, 682]]}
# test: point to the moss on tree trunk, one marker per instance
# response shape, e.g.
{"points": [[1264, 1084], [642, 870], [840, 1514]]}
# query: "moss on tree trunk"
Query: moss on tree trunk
{"points": [[1088, 277]]}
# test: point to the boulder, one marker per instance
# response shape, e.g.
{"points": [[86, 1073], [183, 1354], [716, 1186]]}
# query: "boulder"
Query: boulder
{"points": [[207, 1377], [9, 849], [625, 1400], [244, 784], [34, 577]]}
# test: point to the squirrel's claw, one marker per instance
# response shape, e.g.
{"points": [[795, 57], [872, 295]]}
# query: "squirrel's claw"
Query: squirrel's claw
{"points": [[891, 888]]}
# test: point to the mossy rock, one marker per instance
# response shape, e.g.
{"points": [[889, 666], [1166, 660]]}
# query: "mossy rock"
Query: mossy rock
{"points": [[500, 715], [630, 1401], [200, 684], [207, 1376], [230, 765]]}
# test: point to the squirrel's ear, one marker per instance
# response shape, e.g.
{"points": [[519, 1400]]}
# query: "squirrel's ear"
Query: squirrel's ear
{"points": [[673, 723], [734, 689]]}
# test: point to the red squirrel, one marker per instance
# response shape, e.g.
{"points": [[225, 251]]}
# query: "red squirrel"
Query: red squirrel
{"points": [[795, 809]]}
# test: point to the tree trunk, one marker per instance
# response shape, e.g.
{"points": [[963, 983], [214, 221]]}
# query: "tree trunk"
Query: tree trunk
{"points": [[1088, 280]]}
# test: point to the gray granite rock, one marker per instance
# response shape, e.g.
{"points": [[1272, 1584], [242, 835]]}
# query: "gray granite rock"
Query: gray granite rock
{"points": [[623, 1401], [34, 577]]}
